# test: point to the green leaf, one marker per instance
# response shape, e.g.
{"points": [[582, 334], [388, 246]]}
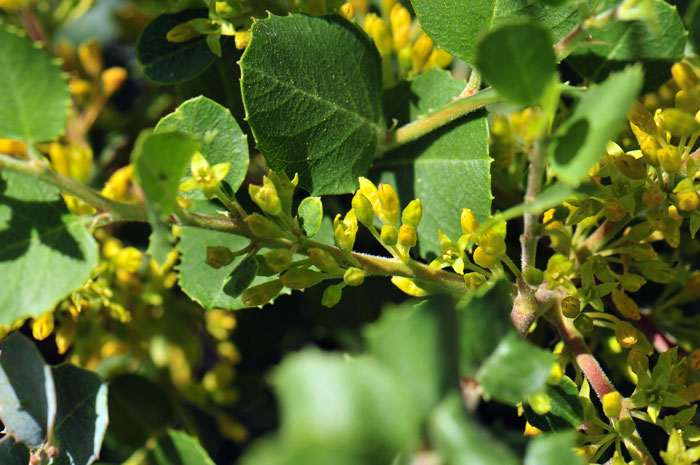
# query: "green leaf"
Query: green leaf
{"points": [[45, 252], [622, 43], [355, 406], [273, 451], [178, 448], [447, 169], [460, 440], [515, 370], [222, 139], [167, 62], [692, 21], [12, 453], [310, 213], [241, 277], [312, 92], [419, 342], [597, 118], [457, 27], [552, 449], [81, 416], [518, 61], [566, 412], [27, 397], [199, 280], [34, 99]]}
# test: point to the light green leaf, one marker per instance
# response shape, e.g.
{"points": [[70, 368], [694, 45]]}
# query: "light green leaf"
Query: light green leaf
{"points": [[12, 453], [622, 43], [273, 451], [45, 252], [27, 396], [34, 98], [419, 342], [566, 412], [518, 61], [310, 214], [81, 416], [457, 26], [515, 370], [178, 448], [222, 139], [312, 92], [597, 118], [552, 449], [447, 169]]}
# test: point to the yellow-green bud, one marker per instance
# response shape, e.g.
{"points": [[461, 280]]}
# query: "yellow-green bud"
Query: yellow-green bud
{"points": [[630, 166], [625, 305], [278, 259], [584, 324], [389, 201], [612, 404], [266, 197], [422, 50], [684, 76], [631, 282], [541, 403], [678, 122], [638, 361], [262, 293], [363, 209], [345, 230], [389, 235], [474, 280], [669, 158], [405, 57], [654, 197], [492, 242], [332, 295], [370, 191], [533, 276], [650, 148], [413, 213], [182, 33], [469, 222], [571, 306], [219, 256], [640, 117], [626, 427], [301, 278], [626, 334], [407, 236], [555, 374], [484, 259], [347, 11], [262, 227], [687, 201], [687, 101], [322, 260], [354, 276], [378, 30]]}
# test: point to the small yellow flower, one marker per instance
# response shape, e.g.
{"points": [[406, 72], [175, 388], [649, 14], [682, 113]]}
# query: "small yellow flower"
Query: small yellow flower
{"points": [[205, 177], [345, 230], [42, 327]]}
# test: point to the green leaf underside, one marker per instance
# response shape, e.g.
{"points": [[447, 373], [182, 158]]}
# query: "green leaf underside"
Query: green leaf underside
{"points": [[167, 62], [27, 397], [200, 281], [81, 416], [311, 88], [552, 449], [457, 27], [45, 252], [566, 412], [12, 453], [518, 61], [447, 169], [597, 118], [621, 43], [178, 448], [34, 98], [222, 139]]}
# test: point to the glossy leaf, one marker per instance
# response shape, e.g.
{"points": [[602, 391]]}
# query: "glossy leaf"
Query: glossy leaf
{"points": [[311, 88], [222, 139], [12, 453], [597, 118], [178, 448], [448, 169], [552, 449], [45, 252], [518, 61], [458, 27], [566, 412], [310, 214], [167, 62], [34, 99], [27, 396]]}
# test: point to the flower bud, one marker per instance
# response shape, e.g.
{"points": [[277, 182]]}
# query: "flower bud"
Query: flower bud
{"points": [[182, 33], [541, 403], [407, 236], [612, 404], [301, 278], [654, 197], [687, 101], [113, 78], [405, 57], [533, 276], [571, 306], [687, 201], [474, 280], [11, 147], [631, 282], [262, 293], [65, 336], [614, 211], [262, 227], [694, 360], [638, 361], [650, 149], [492, 242], [370, 191], [42, 327], [626, 427], [332, 295], [669, 158], [345, 231], [363, 209], [129, 259], [354, 276], [555, 374], [278, 259], [90, 54], [678, 122], [241, 39], [421, 52], [630, 166], [322, 260], [584, 324], [389, 202], [640, 117], [684, 76], [626, 306], [378, 30], [400, 20], [413, 213], [389, 235], [531, 431], [483, 259], [266, 197], [347, 11], [626, 334], [469, 222]]}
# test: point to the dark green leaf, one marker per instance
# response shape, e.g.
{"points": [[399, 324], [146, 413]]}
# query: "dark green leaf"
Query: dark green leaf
{"points": [[566, 412], [241, 277], [580, 141], [419, 342], [518, 61], [81, 416], [12, 453], [310, 214], [34, 99], [552, 449], [45, 252], [447, 169], [692, 21], [27, 397], [312, 88], [622, 43], [457, 26], [178, 448], [167, 62], [221, 137]]}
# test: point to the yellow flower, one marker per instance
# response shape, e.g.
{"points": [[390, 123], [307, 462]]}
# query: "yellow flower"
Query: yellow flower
{"points": [[205, 177], [42, 327]]}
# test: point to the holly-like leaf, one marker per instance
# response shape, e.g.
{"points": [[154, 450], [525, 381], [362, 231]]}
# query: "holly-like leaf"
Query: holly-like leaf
{"points": [[447, 169], [312, 92], [221, 137], [27, 396], [34, 99], [518, 61], [45, 252], [12, 453], [81, 416], [457, 26], [552, 449], [620, 43], [310, 214], [597, 118], [167, 62], [178, 448]]}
